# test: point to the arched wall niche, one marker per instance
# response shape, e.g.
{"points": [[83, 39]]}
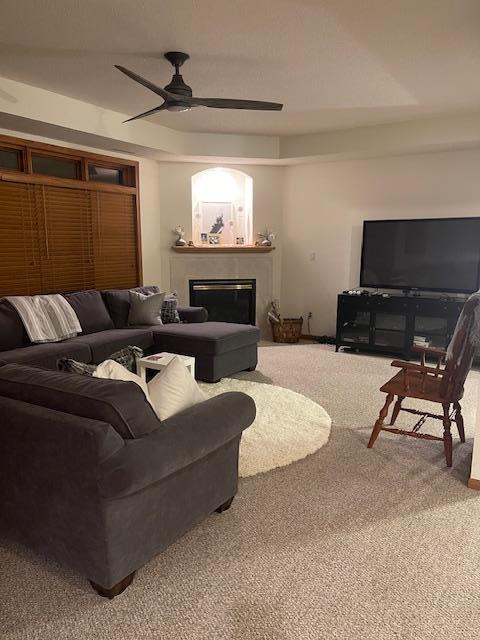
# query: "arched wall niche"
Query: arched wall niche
{"points": [[222, 207]]}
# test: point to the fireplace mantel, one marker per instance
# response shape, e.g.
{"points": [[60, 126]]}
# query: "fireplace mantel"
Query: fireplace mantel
{"points": [[212, 249]]}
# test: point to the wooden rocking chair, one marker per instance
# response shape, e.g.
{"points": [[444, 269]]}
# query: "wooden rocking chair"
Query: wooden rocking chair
{"points": [[443, 385]]}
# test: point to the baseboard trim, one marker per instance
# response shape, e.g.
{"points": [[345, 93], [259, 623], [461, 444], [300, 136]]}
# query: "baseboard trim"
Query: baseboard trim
{"points": [[473, 483]]}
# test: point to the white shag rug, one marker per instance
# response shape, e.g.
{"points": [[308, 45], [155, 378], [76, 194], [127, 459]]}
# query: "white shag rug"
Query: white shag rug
{"points": [[288, 426]]}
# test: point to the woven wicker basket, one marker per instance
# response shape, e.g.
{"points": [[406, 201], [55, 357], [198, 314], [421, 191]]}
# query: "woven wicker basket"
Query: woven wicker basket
{"points": [[287, 330]]}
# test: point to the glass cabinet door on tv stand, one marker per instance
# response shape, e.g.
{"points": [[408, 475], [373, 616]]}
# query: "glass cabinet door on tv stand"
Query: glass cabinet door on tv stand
{"points": [[431, 331], [396, 323], [434, 321], [389, 330], [356, 327]]}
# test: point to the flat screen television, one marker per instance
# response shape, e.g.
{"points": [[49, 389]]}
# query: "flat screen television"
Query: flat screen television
{"points": [[430, 254]]}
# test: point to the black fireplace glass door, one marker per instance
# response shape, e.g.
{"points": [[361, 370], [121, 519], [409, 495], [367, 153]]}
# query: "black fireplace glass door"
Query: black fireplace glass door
{"points": [[225, 300]]}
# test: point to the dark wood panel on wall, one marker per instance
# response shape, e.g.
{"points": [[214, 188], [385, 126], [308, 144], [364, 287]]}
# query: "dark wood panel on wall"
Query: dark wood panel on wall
{"points": [[67, 234], [115, 240], [67, 239]]}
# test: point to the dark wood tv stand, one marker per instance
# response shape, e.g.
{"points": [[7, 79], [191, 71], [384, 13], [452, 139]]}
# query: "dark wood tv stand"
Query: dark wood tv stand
{"points": [[388, 325]]}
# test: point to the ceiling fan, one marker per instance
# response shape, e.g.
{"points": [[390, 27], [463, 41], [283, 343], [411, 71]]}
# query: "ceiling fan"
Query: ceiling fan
{"points": [[178, 96]]}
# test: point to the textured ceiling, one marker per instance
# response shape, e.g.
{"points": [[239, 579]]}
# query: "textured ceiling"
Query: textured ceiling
{"points": [[333, 63]]}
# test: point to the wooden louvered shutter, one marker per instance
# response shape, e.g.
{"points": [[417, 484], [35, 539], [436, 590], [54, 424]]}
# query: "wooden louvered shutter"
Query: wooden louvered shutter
{"points": [[19, 241], [65, 223], [115, 240], [68, 220]]}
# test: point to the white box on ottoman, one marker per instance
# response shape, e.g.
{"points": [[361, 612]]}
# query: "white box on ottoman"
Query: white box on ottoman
{"points": [[160, 360]]}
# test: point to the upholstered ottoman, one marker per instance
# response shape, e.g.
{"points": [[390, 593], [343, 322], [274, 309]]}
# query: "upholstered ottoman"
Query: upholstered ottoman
{"points": [[219, 348]]}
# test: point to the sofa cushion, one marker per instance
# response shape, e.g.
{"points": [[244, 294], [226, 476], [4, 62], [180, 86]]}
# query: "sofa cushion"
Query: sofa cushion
{"points": [[118, 303], [91, 310], [192, 314], [12, 331], [145, 309], [103, 343], [46, 355], [121, 404], [126, 357], [173, 389], [69, 365], [206, 338], [170, 310], [112, 370]]}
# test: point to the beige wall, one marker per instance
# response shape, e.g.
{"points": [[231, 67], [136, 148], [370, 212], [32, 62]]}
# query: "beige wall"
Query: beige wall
{"points": [[326, 203], [150, 208], [174, 183]]}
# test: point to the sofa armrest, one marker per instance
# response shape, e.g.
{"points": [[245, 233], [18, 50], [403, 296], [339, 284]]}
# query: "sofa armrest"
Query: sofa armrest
{"points": [[49, 463], [29, 429], [179, 442], [192, 314]]}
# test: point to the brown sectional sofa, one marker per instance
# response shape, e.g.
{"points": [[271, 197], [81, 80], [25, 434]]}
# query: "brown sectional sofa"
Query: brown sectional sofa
{"points": [[220, 349]]}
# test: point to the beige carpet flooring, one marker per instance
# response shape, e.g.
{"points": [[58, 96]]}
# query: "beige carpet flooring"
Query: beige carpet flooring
{"points": [[346, 544]]}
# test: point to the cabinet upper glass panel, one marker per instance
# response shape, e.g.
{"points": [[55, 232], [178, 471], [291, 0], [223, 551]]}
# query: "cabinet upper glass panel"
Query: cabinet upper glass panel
{"points": [[54, 166], [110, 175], [10, 159]]}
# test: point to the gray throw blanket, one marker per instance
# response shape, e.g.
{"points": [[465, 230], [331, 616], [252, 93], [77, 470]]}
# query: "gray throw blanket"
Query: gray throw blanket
{"points": [[46, 318]]}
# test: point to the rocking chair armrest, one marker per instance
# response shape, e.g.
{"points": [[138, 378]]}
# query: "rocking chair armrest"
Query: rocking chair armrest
{"points": [[412, 366], [439, 354], [429, 351]]}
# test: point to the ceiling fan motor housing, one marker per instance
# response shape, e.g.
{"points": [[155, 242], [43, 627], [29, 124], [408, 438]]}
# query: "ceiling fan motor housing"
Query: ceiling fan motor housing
{"points": [[178, 87]]}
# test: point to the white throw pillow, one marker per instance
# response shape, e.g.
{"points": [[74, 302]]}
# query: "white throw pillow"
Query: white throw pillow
{"points": [[112, 370], [173, 389]]}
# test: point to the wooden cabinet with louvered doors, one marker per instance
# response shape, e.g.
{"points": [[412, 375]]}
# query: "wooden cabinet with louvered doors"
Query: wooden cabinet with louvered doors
{"points": [[20, 272], [115, 240], [65, 231], [68, 219]]}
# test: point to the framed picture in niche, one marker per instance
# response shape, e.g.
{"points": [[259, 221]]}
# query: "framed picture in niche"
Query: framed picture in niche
{"points": [[216, 219]]}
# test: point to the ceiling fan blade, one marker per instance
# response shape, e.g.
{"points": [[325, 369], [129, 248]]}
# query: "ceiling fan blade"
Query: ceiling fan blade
{"points": [[147, 113], [146, 83], [226, 103]]}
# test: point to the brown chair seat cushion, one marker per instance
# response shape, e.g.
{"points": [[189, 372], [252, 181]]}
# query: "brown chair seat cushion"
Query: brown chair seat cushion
{"points": [[205, 338]]}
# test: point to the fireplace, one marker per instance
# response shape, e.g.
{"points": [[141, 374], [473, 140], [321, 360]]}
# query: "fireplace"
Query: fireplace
{"points": [[225, 300]]}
